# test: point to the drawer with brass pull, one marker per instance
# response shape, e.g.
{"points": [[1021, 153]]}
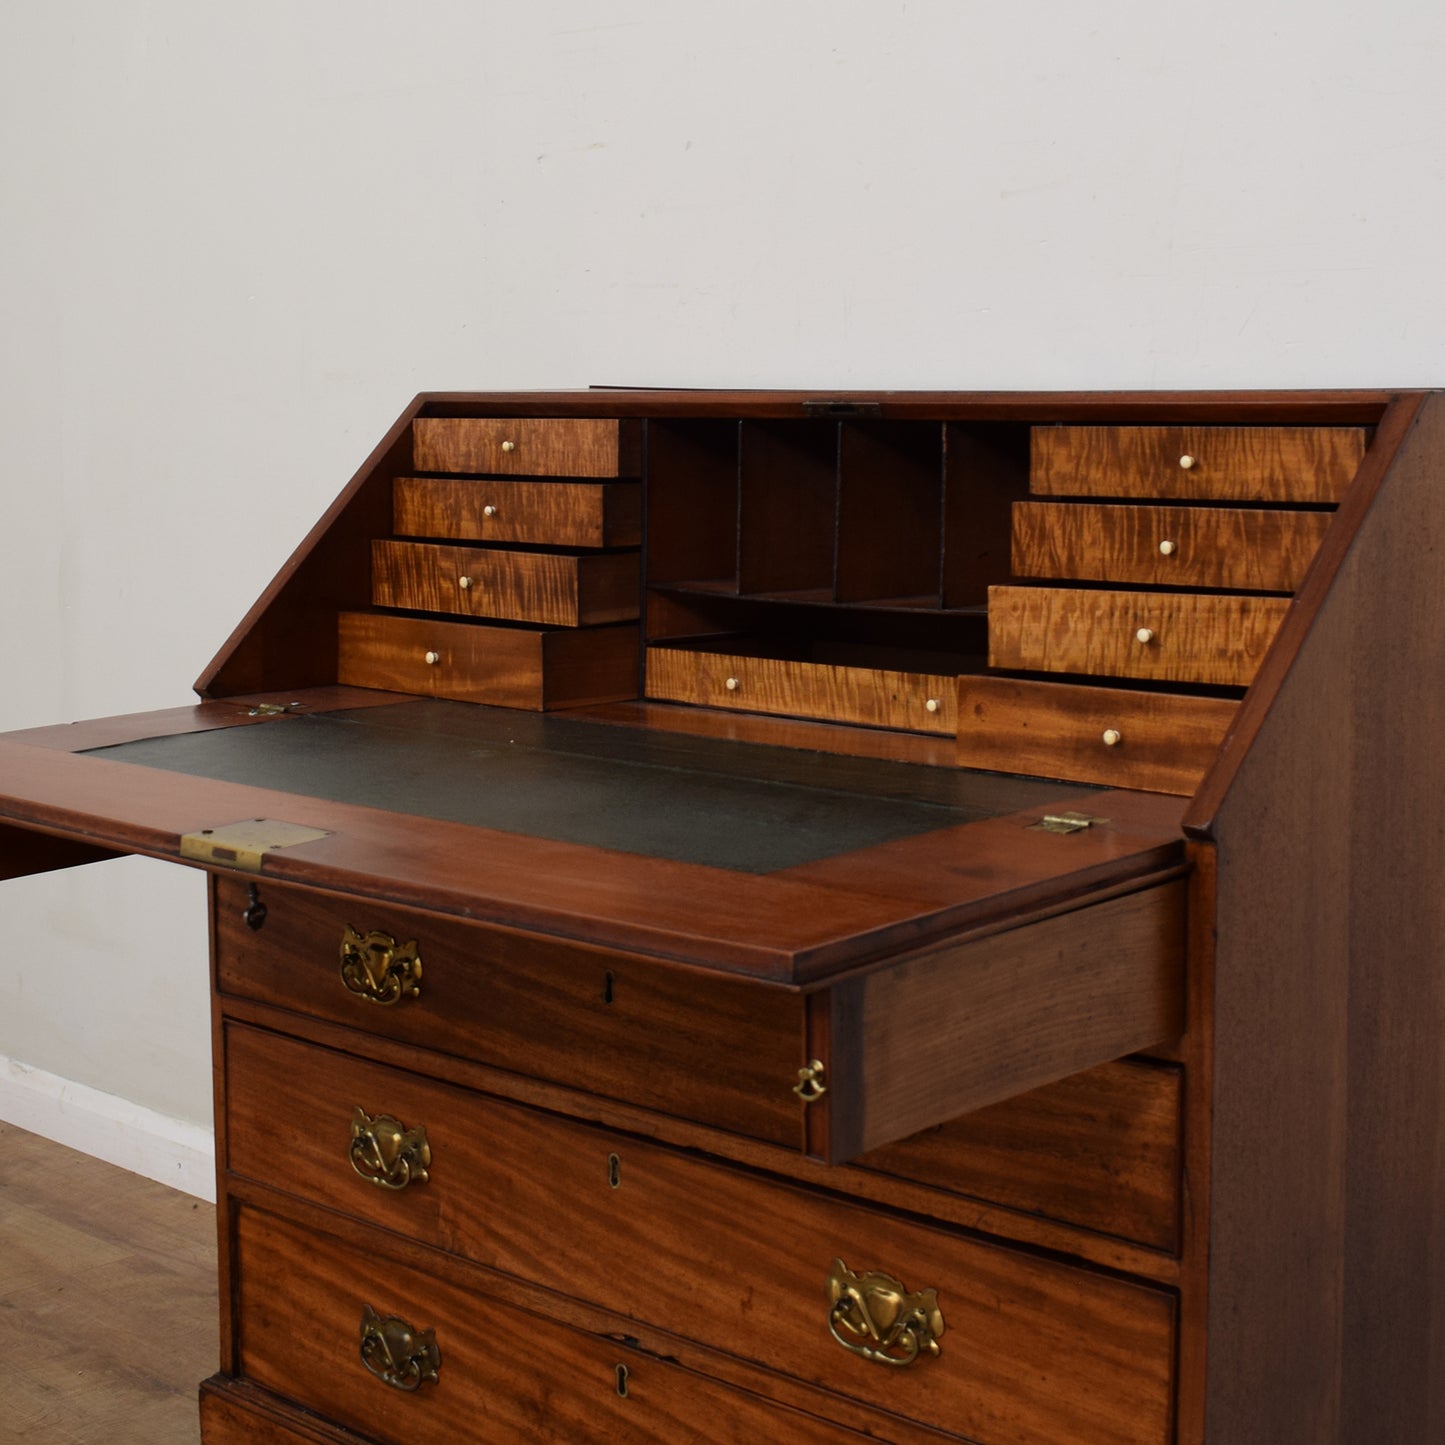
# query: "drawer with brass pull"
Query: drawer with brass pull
{"points": [[528, 446], [558, 589], [1241, 548], [964, 1335], [1205, 463], [1202, 638], [549, 513], [716, 1050], [407, 1356]]}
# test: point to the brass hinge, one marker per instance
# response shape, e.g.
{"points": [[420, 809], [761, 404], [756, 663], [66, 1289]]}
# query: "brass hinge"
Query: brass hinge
{"points": [[1065, 823], [245, 844]]}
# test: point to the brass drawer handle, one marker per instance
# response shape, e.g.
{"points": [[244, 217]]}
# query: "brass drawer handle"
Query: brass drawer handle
{"points": [[397, 1354], [874, 1316], [374, 966], [386, 1153]]}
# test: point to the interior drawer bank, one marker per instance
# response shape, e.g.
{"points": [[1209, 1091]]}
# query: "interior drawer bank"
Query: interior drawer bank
{"points": [[1028, 1349], [858, 1063]]}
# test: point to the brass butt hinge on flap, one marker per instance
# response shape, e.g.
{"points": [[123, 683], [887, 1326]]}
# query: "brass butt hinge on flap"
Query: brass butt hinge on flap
{"points": [[1066, 823], [244, 845]]}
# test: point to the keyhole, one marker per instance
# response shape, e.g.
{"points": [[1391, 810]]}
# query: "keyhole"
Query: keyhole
{"points": [[614, 1170], [608, 980], [622, 1381], [255, 911]]}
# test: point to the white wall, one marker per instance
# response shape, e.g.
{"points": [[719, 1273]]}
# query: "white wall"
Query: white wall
{"points": [[237, 238]]}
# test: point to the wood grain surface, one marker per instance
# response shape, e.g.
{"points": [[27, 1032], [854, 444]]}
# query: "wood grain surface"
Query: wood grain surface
{"points": [[573, 446], [1231, 463], [550, 513], [1162, 742], [1244, 549], [1200, 638], [551, 588]]}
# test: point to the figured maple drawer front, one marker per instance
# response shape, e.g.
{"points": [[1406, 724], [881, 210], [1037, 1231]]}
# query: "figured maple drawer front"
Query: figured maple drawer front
{"points": [[1030, 1350], [874, 697], [553, 514], [1234, 547], [502, 666], [323, 1321], [547, 587], [528, 446], [1167, 636], [720, 1051], [1155, 741], [1223, 464]]}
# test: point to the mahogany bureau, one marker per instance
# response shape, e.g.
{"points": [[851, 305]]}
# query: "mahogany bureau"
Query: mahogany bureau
{"points": [[898, 916]]}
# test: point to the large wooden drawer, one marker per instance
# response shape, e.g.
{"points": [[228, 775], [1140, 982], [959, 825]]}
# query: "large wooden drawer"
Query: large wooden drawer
{"points": [[551, 513], [502, 1374], [1220, 464], [717, 1050], [1031, 1350], [528, 446], [1158, 741], [501, 666], [554, 588], [838, 692], [1243, 549], [1203, 638]]}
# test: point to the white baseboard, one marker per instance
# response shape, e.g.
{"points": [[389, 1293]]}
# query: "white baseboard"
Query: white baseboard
{"points": [[154, 1145]]}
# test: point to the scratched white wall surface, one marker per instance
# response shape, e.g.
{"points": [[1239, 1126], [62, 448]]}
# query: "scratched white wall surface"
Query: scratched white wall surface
{"points": [[236, 239]]}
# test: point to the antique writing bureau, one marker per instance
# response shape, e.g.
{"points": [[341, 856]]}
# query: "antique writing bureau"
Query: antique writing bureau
{"points": [[821, 918]]}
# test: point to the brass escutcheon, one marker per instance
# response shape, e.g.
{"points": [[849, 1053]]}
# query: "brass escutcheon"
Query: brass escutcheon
{"points": [[873, 1315], [374, 966], [386, 1153], [812, 1081], [398, 1354]]}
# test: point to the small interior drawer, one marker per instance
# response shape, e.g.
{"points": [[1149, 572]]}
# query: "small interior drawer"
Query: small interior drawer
{"points": [[1029, 1350], [503, 666], [528, 446], [1204, 463], [1156, 741], [1243, 549], [551, 513], [717, 1050], [501, 1373], [556, 589], [1204, 638], [842, 690]]}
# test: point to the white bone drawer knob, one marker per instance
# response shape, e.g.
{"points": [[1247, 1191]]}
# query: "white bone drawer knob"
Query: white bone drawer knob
{"points": [[1112, 737], [432, 658], [733, 684], [1168, 548], [464, 583], [489, 511], [932, 705], [509, 446], [1145, 635], [1186, 461]]}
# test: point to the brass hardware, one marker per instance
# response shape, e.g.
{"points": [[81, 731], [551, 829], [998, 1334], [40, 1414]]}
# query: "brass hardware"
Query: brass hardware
{"points": [[614, 1171], [622, 1373], [489, 511], [509, 446], [379, 969], [1145, 635], [873, 1315], [274, 709], [1065, 823], [1168, 548], [1186, 462], [386, 1153], [398, 1354], [254, 913], [932, 705], [733, 684], [1112, 737], [464, 583], [432, 658], [244, 845], [812, 1082]]}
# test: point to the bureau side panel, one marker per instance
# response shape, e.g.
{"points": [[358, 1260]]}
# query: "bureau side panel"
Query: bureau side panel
{"points": [[1327, 1298]]}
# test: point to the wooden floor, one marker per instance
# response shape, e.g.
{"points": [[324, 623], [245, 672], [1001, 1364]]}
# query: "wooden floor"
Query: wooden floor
{"points": [[107, 1301]]}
